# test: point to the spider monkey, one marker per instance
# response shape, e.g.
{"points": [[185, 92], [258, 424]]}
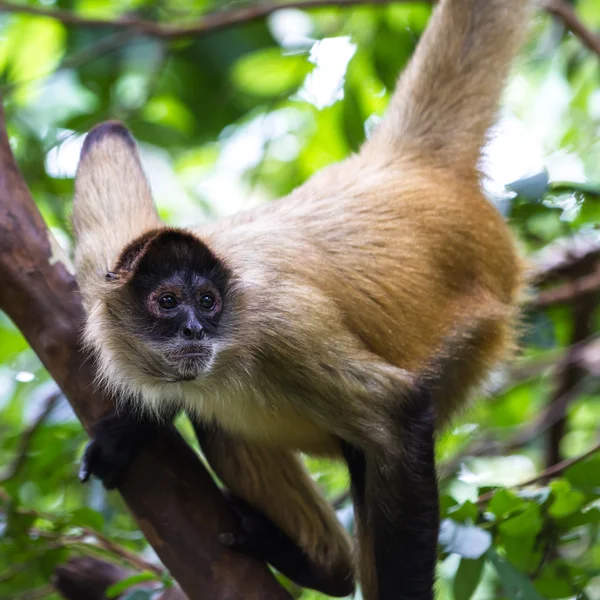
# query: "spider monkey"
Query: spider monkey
{"points": [[350, 319]]}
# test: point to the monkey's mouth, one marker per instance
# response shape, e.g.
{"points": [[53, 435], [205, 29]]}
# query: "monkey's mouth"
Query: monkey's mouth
{"points": [[190, 351], [190, 361]]}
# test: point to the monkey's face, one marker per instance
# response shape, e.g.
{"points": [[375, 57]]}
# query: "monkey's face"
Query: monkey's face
{"points": [[175, 297], [180, 315]]}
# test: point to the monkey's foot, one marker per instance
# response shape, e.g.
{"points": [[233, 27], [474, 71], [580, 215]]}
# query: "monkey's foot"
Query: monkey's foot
{"points": [[257, 536]]}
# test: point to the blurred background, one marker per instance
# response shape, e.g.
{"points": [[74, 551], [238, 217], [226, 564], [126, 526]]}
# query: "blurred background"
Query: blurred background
{"points": [[228, 117]]}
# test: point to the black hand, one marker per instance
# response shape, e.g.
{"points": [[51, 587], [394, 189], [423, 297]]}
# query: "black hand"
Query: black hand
{"points": [[118, 439]]}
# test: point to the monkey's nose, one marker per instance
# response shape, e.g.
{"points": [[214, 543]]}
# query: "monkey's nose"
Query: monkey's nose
{"points": [[192, 331]]}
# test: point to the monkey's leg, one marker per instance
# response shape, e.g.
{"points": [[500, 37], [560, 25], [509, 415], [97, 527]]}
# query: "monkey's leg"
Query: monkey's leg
{"points": [[117, 440], [284, 518], [396, 498]]}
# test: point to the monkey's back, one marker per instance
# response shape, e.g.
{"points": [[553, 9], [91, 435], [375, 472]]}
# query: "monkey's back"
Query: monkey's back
{"points": [[412, 260]]}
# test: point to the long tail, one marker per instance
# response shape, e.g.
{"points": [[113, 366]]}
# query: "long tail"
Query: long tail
{"points": [[447, 97]]}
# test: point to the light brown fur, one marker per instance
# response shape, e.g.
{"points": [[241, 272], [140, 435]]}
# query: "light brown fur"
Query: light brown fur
{"points": [[387, 268]]}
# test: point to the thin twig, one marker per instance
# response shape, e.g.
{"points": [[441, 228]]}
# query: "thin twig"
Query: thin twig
{"points": [[568, 292], [524, 435], [105, 45], [571, 372], [27, 436], [562, 262], [564, 11], [208, 23], [548, 473], [79, 538], [222, 19], [131, 558]]}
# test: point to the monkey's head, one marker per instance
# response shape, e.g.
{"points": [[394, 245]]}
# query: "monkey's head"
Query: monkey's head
{"points": [[164, 302], [156, 297]]}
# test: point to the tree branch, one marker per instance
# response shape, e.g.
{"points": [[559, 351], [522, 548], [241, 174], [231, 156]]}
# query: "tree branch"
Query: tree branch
{"points": [[233, 17], [523, 436], [573, 290], [171, 495], [570, 373], [209, 23], [549, 473], [565, 12]]}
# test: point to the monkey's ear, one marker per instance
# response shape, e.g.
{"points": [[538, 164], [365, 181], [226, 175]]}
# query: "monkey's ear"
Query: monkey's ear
{"points": [[113, 203]]}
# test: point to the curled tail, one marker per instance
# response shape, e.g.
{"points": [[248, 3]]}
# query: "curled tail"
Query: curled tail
{"points": [[447, 97]]}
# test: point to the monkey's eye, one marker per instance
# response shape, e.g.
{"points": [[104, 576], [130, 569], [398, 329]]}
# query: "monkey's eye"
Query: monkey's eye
{"points": [[207, 301], [167, 302]]}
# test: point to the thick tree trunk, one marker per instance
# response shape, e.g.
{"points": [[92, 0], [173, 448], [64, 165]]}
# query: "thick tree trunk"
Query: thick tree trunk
{"points": [[174, 500]]}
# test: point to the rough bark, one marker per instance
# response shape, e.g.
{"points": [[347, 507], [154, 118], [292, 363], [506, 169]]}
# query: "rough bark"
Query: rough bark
{"points": [[171, 495]]}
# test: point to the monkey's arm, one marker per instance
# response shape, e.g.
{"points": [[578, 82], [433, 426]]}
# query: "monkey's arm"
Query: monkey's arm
{"points": [[289, 524], [119, 438], [396, 504]]}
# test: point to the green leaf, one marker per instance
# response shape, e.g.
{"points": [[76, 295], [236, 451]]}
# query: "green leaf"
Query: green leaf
{"points": [[467, 511], [528, 523], [520, 551], [467, 578], [566, 500], [447, 503], [36, 51], [86, 517], [269, 73], [560, 580], [169, 112], [504, 502], [585, 517], [516, 585], [585, 474], [118, 588]]}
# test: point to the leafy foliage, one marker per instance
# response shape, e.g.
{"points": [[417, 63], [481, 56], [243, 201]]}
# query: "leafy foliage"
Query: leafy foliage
{"points": [[244, 115]]}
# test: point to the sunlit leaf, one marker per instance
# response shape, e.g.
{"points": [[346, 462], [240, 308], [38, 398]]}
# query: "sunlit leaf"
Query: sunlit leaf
{"points": [[566, 500], [528, 523], [86, 517], [118, 588], [38, 46], [504, 502], [269, 73]]}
